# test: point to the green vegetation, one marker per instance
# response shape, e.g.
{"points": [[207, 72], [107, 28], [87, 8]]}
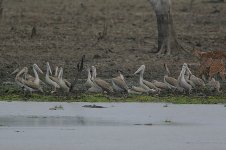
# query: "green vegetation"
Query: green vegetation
{"points": [[12, 93]]}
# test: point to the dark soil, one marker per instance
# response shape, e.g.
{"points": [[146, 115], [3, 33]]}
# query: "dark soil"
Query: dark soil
{"points": [[113, 34]]}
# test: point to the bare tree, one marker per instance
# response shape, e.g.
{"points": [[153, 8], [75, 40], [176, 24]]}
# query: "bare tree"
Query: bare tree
{"points": [[167, 38]]}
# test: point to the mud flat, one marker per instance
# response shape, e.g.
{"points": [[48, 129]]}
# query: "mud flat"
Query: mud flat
{"points": [[124, 126]]}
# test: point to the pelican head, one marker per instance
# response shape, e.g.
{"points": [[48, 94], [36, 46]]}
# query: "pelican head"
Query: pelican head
{"points": [[48, 66], [24, 70], [35, 66], [142, 68], [15, 71], [184, 67]]}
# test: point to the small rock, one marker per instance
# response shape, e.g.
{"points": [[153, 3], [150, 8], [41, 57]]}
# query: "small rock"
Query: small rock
{"points": [[93, 106], [165, 105]]}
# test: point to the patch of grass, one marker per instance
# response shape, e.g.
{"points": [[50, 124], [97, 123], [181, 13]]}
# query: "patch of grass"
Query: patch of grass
{"points": [[93, 98], [13, 93]]}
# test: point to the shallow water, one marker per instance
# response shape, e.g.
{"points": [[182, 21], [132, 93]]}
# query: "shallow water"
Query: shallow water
{"points": [[124, 126]]}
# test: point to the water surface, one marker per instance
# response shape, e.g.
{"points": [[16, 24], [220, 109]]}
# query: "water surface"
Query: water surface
{"points": [[123, 126]]}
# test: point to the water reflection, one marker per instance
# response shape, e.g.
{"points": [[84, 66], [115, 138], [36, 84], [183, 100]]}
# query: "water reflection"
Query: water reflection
{"points": [[39, 121]]}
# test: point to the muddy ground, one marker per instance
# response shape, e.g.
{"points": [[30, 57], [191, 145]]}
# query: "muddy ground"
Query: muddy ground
{"points": [[113, 34]]}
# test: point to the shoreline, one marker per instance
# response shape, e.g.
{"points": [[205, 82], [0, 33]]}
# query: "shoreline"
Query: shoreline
{"points": [[13, 93]]}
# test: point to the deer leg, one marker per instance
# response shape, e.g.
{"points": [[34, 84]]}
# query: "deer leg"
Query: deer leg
{"points": [[211, 74], [222, 75]]}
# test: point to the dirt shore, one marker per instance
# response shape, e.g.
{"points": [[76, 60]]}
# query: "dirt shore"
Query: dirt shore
{"points": [[113, 34]]}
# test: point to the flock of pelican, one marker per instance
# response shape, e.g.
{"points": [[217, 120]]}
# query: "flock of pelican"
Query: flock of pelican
{"points": [[185, 83]]}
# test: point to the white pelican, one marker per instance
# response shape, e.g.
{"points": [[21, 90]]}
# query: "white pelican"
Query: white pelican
{"points": [[148, 86], [182, 81], [28, 84], [64, 84], [170, 81], [49, 80], [89, 83], [119, 83], [90, 86], [195, 80], [105, 86]]}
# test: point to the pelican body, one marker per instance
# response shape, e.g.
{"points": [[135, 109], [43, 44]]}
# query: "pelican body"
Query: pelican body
{"points": [[49, 80], [119, 83], [101, 83]]}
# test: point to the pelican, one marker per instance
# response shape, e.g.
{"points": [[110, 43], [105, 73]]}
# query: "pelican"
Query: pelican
{"points": [[49, 80], [170, 81], [64, 84], [28, 84], [26, 75], [90, 86], [195, 80], [119, 83], [148, 86], [18, 78], [101, 83], [182, 81], [55, 78], [89, 83]]}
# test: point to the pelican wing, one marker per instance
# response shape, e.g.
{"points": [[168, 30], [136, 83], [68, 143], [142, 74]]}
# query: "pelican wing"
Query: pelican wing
{"points": [[172, 82], [95, 89], [31, 84], [139, 89], [150, 85], [54, 79], [67, 82], [120, 83], [197, 81], [104, 85], [161, 85]]}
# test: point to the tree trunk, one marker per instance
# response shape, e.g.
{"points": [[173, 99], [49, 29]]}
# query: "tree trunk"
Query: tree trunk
{"points": [[1, 9], [167, 38]]}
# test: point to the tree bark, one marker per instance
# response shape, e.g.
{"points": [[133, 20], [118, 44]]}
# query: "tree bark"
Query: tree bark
{"points": [[167, 38], [1, 9]]}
